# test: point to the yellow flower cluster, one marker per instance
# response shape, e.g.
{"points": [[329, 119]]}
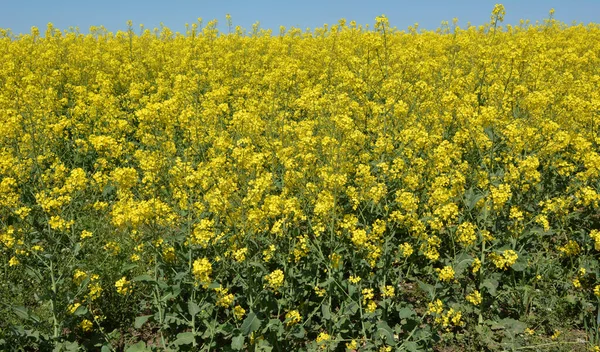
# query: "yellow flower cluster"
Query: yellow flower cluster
{"points": [[224, 298], [474, 298], [446, 273], [123, 286], [274, 280], [446, 319], [202, 269], [505, 260], [293, 317]]}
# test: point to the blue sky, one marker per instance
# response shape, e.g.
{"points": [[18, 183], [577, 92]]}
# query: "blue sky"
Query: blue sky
{"points": [[113, 14]]}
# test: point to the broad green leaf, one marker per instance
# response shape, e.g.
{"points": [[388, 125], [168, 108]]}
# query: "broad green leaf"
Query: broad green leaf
{"points": [[81, 310], [184, 338], [430, 289], [383, 329], [128, 267], [351, 308], [141, 320], [237, 343], [411, 346], [326, 311], [520, 264], [491, 285], [21, 312], [138, 347], [406, 313], [264, 346], [513, 325], [193, 308], [250, 324], [299, 333], [462, 262]]}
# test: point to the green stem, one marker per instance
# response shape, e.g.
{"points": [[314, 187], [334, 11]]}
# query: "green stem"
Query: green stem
{"points": [[54, 319]]}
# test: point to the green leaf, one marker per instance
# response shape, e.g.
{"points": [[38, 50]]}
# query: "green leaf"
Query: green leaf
{"points": [[184, 338], [127, 267], [351, 308], [21, 312], [430, 289], [462, 262], [406, 313], [214, 285], [520, 264], [491, 285], [138, 347], [383, 329], [299, 333], [143, 278], [250, 324], [237, 343], [193, 308], [81, 310], [513, 325], [141, 320], [264, 345], [326, 311], [411, 346], [571, 299], [67, 346], [105, 348]]}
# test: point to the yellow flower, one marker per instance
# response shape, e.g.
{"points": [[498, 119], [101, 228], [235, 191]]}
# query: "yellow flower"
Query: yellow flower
{"points": [[95, 289], [79, 276], [320, 291], [446, 274], [85, 234], [435, 307], [476, 265], [406, 249], [202, 269], [240, 254], [336, 261], [572, 248], [529, 331], [275, 279], [225, 299], [371, 307], [293, 317], [474, 298], [169, 254], [323, 337], [268, 253], [505, 260], [354, 279], [367, 294], [123, 286], [13, 261], [239, 312], [86, 325], [73, 307], [352, 345], [388, 291], [466, 234]]}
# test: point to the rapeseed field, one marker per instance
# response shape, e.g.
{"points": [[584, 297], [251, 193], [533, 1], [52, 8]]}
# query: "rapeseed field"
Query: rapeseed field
{"points": [[348, 188]]}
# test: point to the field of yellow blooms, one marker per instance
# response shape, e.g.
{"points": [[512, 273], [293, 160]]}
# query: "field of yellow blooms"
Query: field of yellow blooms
{"points": [[343, 188]]}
